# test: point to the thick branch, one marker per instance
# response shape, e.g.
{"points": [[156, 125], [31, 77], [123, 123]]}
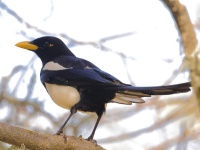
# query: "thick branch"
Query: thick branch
{"points": [[33, 140], [189, 40], [184, 24]]}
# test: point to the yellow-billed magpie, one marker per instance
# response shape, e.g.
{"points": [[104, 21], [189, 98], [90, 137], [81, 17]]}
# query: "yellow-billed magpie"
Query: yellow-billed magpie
{"points": [[77, 84]]}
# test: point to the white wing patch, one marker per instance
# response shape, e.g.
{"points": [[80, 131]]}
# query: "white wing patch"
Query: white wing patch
{"points": [[54, 66], [126, 99]]}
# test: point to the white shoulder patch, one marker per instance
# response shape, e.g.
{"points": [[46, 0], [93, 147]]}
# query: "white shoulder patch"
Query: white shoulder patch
{"points": [[87, 67], [53, 66]]}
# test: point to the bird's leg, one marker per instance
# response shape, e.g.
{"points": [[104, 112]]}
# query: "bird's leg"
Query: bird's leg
{"points": [[90, 138], [72, 111]]}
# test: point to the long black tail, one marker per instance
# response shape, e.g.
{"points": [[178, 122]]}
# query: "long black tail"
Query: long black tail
{"points": [[160, 90], [131, 94]]}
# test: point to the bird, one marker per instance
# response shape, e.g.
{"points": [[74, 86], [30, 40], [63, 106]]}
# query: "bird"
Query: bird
{"points": [[78, 85]]}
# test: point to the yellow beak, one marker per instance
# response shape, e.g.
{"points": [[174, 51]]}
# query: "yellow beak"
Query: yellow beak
{"points": [[27, 45]]}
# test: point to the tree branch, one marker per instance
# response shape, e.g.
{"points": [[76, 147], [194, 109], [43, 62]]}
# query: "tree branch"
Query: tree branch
{"points": [[189, 40], [33, 140], [184, 24]]}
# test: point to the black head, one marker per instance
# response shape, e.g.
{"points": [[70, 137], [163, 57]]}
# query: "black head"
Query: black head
{"points": [[47, 48]]}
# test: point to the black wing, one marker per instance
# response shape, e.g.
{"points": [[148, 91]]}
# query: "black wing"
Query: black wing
{"points": [[78, 72]]}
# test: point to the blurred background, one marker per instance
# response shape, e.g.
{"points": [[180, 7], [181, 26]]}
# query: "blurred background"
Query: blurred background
{"points": [[136, 41]]}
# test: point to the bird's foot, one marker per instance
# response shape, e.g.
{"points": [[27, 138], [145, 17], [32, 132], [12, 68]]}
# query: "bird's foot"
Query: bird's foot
{"points": [[91, 140], [80, 136], [61, 133]]}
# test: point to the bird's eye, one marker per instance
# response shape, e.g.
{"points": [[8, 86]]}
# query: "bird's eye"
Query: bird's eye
{"points": [[46, 44]]}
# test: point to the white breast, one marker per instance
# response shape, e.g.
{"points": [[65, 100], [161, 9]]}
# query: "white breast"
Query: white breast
{"points": [[64, 96]]}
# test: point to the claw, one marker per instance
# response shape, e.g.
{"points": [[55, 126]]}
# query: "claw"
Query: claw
{"points": [[61, 133], [92, 140]]}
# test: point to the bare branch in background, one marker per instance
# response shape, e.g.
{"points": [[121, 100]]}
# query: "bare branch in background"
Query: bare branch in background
{"points": [[188, 37], [178, 139], [170, 118], [184, 24], [124, 60], [175, 73], [72, 42], [51, 11], [24, 68]]}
